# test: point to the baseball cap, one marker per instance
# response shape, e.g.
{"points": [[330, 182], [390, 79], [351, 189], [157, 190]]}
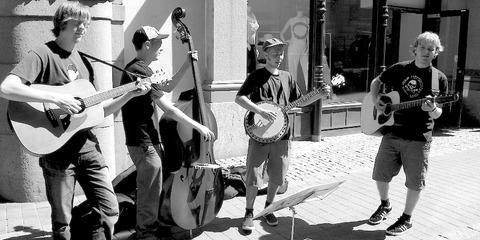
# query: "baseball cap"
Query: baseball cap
{"points": [[146, 33], [272, 42]]}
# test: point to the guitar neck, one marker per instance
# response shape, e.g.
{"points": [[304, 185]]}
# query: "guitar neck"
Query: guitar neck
{"points": [[419, 102], [305, 98], [408, 104], [111, 93]]}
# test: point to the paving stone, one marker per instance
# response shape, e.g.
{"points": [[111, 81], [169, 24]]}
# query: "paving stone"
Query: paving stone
{"points": [[448, 209]]}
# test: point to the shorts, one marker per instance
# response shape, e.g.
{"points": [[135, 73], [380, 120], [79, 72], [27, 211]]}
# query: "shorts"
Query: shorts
{"points": [[277, 164], [395, 152]]}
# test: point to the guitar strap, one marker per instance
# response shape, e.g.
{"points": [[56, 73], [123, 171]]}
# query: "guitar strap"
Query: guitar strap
{"points": [[435, 88], [285, 86], [111, 65]]}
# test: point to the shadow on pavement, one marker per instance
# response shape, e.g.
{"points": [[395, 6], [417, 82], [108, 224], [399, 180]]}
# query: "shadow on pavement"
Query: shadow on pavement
{"points": [[223, 224], [443, 132], [323, 231], [32, 233], [303, 230]]}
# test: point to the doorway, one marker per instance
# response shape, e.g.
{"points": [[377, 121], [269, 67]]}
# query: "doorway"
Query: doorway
{"points": [[452, 27]]}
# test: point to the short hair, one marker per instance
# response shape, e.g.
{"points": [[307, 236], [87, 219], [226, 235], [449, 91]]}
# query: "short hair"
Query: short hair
{"points": [[429, 37], [70, 10]]}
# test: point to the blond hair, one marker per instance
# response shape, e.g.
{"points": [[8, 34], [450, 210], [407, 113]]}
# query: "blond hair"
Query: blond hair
{"points": [[70, 10], [428, 37]]}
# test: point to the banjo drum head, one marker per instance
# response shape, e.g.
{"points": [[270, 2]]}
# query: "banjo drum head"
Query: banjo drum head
{"points": [[264, 131]]}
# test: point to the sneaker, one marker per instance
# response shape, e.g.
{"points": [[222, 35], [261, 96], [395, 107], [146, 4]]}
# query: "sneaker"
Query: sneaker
{"points": [[399, 227], [380, 215], [247, 224], [271, 219]]}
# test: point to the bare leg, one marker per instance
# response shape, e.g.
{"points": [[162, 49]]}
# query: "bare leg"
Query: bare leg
{"points": [[251, 194], [383, 188], [271, 192], [411, 201]]}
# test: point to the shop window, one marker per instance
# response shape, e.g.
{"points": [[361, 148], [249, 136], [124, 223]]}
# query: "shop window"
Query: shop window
{"points": [[348, 38], [289, 21]]}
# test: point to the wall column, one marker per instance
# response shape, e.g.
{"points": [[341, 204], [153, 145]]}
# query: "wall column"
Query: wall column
{"points": [[225, 46]]}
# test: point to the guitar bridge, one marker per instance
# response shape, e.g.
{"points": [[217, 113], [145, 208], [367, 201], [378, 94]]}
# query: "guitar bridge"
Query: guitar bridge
{"points": [[55, 118], [50, 114]]}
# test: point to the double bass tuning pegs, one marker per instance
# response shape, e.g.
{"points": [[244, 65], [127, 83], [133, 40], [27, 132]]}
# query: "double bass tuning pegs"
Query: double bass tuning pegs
{"points": [[178, 13]]}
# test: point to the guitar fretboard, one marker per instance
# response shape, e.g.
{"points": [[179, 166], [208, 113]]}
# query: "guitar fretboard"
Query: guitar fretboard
{"points": [[111, 93], [418, 102]]}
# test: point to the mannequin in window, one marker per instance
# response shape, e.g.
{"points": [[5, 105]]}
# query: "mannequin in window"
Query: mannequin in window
{"points": [[297, 52], [252, 52]]}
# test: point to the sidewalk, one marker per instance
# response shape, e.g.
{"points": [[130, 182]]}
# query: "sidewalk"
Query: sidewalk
{"points": [[448, 209]]}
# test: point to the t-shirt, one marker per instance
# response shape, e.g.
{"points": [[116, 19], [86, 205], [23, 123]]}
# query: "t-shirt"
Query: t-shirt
{"points": [[262, 85], [52, 65], [412, 82], [137, 113]]}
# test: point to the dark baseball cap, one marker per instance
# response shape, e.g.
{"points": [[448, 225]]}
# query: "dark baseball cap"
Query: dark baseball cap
{"points": [[146, 33], [271, 43]]}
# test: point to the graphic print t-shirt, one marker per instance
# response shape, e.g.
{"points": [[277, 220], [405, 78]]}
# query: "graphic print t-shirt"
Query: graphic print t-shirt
{"points": [[412, 83]]}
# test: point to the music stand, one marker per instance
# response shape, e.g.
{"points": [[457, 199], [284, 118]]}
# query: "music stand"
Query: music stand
{"points": [[319, 191]]}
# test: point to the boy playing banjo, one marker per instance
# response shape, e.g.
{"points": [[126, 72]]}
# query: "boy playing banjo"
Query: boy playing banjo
{"points": [[268, 83]]}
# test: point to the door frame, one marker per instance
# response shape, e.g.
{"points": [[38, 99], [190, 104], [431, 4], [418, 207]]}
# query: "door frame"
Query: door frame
{"points": [[431, 22]]}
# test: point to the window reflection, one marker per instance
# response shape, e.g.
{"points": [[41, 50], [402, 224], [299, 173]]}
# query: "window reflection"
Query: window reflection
{"points": [[289, 21], [348, 29]]}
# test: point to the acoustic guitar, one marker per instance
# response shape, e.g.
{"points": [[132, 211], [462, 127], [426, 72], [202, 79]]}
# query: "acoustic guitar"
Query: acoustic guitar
{"points": [[264, 131], [43, 128], [373, 120]]}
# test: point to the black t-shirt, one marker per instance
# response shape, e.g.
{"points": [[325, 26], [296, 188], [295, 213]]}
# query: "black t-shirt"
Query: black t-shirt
{"points": [[262, 85], [52, 65], [412, 83], [137, 113]]}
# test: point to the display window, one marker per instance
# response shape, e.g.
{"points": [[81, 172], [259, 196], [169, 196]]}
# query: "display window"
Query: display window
{"points": [[347, 40]]}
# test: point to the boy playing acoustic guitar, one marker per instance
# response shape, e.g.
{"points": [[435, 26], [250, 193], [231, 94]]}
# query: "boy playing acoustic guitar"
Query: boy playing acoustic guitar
{"points": [[407, 142], [58, 63]]}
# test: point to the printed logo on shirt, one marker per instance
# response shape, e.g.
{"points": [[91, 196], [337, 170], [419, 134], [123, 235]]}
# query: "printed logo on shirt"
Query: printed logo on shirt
{"points": [[412, 86], [72, 72]]}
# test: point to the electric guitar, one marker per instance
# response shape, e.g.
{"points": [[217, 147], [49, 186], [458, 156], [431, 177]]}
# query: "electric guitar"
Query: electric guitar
{"points": [[374, 120], [43, 128]]}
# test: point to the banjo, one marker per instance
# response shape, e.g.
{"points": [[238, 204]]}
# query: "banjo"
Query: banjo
{"points": [[264, 131]]}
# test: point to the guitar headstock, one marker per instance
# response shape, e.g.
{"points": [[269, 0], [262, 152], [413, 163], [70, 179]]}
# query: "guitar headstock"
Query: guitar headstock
{"points": [[159, 78], [324, 89]]}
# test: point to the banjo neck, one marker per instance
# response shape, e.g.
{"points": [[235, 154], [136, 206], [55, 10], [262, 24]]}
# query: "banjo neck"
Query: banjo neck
{"points": [[312, 95]]}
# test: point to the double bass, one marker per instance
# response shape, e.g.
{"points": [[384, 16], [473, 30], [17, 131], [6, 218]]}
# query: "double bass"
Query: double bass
{"points": [[193, 185]]}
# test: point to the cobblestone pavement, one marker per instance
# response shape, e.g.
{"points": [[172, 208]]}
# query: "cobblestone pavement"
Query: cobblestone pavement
{"points": [[339, 156], [449, 209]]}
